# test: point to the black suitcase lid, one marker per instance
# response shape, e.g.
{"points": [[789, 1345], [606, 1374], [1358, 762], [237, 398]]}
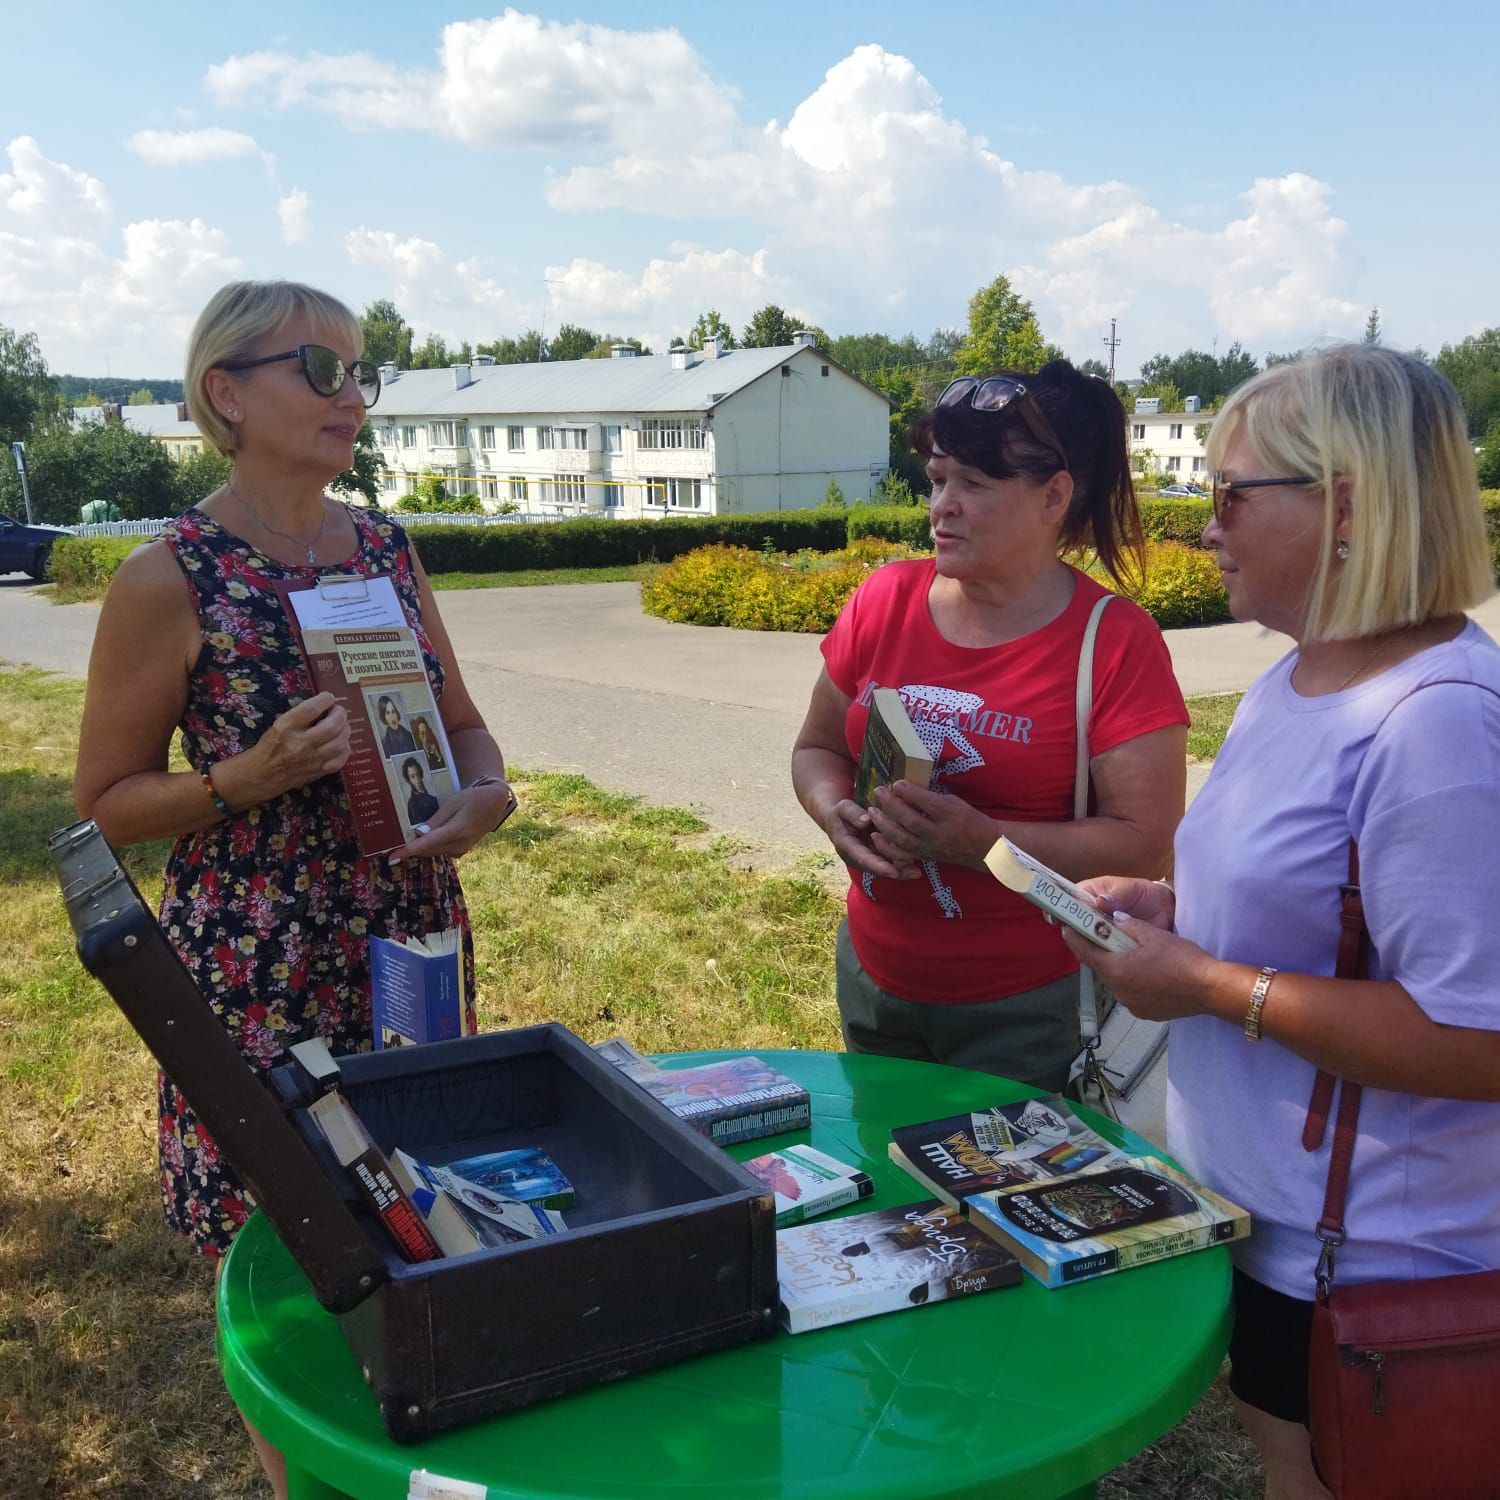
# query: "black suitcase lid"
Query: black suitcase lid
{"points": [[121, 944]]}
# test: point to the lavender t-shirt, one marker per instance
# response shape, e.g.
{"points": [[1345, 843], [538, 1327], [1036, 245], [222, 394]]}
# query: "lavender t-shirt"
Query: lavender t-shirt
{"points": [[1415, 778]]}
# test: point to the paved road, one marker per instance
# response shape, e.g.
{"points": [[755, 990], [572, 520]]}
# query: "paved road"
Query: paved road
{"points": [[575, 677]]}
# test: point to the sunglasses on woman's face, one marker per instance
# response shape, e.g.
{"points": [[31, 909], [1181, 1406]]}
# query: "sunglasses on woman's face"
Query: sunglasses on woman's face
{"points": [[1000, 393], [323, 370], [1227, 492]]}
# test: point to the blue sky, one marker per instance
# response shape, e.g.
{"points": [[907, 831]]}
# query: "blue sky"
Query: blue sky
{"points": [[1201, 174]]}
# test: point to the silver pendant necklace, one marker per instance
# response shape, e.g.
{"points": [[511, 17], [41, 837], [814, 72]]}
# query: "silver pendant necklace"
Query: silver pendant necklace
{"points": [[308, 544]]}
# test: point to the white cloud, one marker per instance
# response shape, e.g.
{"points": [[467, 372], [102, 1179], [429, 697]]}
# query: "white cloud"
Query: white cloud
{"points": [[292, 212], [182, 148], [83, 292], [435, 293], [513, 80]]}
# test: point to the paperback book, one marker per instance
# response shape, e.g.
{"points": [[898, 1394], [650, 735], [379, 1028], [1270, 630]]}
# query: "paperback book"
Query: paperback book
{"points": [[624, 1056], [1009, 1144], [892, 748], [525, 1173], [884, 1261], [1097, 1222], [494, 1218], [417, 990], [370, 1171], [807, 1183], [1057, 896], [735, 1099]]}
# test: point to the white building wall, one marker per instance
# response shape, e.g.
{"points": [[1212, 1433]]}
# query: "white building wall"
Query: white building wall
{"points": [[1169, 435]]}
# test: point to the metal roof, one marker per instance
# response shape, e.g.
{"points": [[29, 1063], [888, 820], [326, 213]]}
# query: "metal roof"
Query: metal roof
{"points": [[645, 383], [159, 421]]}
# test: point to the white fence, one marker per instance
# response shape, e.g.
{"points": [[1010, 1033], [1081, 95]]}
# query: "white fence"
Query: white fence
{"points": [[411, 521]]}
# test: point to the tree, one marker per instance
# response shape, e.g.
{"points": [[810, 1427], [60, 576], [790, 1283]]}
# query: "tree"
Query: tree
{"points": [[572, 342], [1094, 367], [387, 335], [908, 402], [771, 327], [1372, 326], [833, 496], [710, 325], [363, 476], [1194, 373], [943, 346], [863, 353], [200, 474], [1489, 457], [27, 389], [1164, 391], [73, 464], [525, 350], [1003, 332], [1474, 368], [433, 354], [142, 397], [605, 348]]}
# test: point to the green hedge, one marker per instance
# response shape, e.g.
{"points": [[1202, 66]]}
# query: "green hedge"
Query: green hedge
{"points": [[906, 524], [1175, 520], [589, 543], [1492, 526], [1181, 586], [82, 566]]}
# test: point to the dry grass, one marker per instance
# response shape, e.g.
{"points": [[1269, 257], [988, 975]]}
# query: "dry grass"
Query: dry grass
{"points": [[593, 910]]}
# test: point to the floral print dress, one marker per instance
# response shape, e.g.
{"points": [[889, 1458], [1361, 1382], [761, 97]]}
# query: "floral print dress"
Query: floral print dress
{"points": [[272, 910]]}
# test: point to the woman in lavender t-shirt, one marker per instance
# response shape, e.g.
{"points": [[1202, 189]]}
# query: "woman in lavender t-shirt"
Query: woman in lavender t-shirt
{"points": [[1346, 515]]}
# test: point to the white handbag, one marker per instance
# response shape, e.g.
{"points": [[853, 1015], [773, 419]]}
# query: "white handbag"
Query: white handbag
{"points": [[1122, 1069]]}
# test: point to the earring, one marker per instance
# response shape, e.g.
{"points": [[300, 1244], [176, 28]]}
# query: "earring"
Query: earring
{"points": [[1342, 550]]}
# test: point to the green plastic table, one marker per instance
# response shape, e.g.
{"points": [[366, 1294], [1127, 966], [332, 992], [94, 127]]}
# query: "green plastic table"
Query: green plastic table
{"points": [[1021, 1392]]}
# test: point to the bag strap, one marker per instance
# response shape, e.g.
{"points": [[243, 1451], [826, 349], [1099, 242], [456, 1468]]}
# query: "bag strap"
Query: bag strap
{"points": [[1083, 703]]}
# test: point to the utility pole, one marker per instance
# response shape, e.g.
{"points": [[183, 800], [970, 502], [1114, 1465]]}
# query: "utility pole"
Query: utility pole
{"points": [[19, 452], [541, 353], [1112, 343]]}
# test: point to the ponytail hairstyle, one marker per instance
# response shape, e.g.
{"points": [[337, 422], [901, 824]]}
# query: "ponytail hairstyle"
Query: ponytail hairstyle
{"points": [[1089, 422]]}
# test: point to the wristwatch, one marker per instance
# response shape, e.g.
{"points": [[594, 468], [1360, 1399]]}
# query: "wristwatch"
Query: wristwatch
{"points": [[510, 802]]}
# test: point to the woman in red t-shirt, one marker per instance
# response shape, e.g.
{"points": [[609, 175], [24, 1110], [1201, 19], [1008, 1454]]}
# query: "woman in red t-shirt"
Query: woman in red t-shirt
{"points": [[936, 959]]}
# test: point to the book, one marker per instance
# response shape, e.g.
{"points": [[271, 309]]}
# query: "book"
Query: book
{"points": [[448, 1223], [1097, 1222], [892, 748], [627, 1059], [1054, 894], [355, 1151], [807, 1183], [735, 1099], [1004, 1146], [394, 784], [884, 1261], [525, 1173], [417, 990], [492, 1217]]}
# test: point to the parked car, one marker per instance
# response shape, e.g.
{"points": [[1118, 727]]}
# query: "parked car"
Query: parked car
{"points": [[25, 549], [1185, 491]]}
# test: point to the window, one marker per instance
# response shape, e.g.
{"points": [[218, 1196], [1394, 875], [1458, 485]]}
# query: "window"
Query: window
{"points": [[671, 432], [408, 437], [447, 434], [486, 437], [612, 440], [1199, 464], [388, 483], [614, 494], [825, 371], [489, 489], [562, 437], [675, 494], [518, 488], [566, 489], [516, 439], [1174, 465], [1138, 431], [1176, 430]]}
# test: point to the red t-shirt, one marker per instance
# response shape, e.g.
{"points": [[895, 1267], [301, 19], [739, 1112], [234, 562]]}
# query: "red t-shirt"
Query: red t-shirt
{"points": [[1007, 748]]}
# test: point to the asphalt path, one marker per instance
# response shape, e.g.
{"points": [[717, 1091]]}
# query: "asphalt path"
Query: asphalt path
{"points": [[574, 677]]}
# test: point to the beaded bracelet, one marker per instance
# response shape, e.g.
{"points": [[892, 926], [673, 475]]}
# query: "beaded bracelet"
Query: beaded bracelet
{"points": [[207, 778]]}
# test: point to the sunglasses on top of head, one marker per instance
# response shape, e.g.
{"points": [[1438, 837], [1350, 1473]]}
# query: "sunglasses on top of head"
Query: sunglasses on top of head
{"points": [[999, 394], [323, 370]]}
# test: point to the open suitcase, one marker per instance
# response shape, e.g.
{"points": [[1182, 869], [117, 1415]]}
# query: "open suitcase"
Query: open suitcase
{"points": [[669, 1252]]}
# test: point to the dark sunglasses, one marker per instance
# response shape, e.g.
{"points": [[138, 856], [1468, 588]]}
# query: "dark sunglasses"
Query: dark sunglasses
{"points": [[1000, 393], [323, 370], [1226, 491]]}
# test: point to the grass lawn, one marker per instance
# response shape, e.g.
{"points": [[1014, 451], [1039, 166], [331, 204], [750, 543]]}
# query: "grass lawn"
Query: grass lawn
{"points": [[627, 573], [1209, 718], [593, 910]]}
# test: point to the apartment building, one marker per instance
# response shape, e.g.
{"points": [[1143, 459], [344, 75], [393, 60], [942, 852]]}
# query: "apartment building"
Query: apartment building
{"points": [[167, 422], [1171, 438], [708, 431]]}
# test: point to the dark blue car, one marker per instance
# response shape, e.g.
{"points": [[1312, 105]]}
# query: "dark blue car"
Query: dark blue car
{"points": [[24, 549]]}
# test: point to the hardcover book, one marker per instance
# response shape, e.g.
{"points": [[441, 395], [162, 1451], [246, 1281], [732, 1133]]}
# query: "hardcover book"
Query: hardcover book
{"points": [[892, 749], [884, 1261], [1101, 1221], [1010, 1144], [735, 1099], [807, 1183], [371, 1173], [417, 991], [1054, 894]]}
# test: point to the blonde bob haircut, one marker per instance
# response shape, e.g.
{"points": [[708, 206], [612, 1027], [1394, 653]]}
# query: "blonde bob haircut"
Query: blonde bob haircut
{"points": [[1395, 428], [237, 317]]}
